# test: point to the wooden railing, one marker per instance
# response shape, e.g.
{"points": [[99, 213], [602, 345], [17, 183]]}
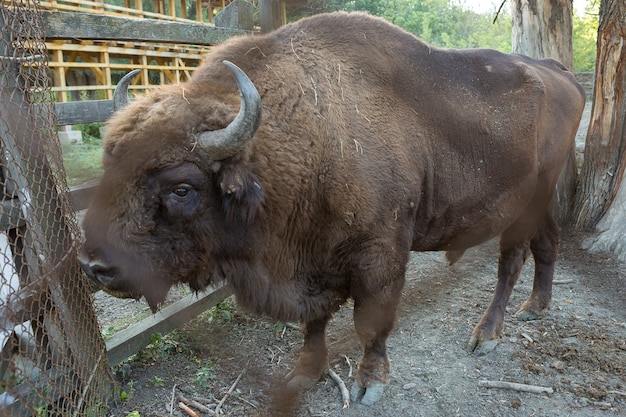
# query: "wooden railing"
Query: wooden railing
{"points": [[172, 10]]}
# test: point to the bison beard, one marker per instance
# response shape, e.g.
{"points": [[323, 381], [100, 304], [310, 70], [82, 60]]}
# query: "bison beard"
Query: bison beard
{"points": [[372, 144]]}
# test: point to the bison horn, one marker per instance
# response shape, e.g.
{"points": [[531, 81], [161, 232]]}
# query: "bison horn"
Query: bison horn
{"points": [[224, 143], [120, 95]]}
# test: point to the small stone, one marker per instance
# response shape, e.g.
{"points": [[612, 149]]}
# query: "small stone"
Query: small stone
{"points": [[558, 365]]}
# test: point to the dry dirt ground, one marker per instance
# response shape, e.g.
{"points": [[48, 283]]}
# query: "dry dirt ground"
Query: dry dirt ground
{"points": [[578, 349]]}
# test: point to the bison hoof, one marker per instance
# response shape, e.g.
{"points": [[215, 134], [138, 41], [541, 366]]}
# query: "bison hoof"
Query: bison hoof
{"points": [[299, 382], [481, 347], [367, 395], [526, 315]]}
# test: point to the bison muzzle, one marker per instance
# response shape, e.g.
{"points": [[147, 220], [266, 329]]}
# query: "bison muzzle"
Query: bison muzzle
{"points": [[303, 166]]}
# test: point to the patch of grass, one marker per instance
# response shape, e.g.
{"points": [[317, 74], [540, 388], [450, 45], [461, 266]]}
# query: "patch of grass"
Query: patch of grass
{"points": [[110, 330], [83, 161]]}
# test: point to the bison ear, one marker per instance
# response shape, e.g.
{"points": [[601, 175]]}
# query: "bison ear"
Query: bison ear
{"points": [[242, 193]]}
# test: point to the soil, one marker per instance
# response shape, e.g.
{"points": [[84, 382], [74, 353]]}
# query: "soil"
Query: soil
{"points": [[578, 349]]}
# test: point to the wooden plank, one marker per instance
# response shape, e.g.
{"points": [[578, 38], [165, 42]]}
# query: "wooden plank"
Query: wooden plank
{"points": [[84, 111], [80, 195], [73, 25], [128, 342]]}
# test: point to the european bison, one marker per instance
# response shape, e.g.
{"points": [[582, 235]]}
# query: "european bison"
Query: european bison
{"points": [[371, 144]]}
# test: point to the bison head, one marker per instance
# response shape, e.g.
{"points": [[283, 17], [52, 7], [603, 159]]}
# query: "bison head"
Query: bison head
{"points": [[172, 174]]}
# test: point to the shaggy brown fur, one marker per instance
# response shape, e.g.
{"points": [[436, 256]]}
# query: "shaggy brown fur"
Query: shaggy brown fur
{"points": [[372, 144]]}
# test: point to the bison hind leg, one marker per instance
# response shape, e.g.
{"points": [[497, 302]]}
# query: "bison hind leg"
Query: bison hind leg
{"points": [[544, 248], [485, 334]]}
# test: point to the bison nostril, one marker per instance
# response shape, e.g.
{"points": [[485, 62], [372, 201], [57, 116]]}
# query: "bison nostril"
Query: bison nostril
{"points": [[97, 272]]}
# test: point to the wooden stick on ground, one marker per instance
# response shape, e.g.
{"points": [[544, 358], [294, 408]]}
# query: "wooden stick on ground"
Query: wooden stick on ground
{"points": [[187, 410], [345, 395], [195, 404], [172, 400], [516, 387], [230, 391]]}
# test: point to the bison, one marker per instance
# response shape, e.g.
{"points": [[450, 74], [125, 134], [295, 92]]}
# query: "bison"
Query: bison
{"points": [[302, 167]]}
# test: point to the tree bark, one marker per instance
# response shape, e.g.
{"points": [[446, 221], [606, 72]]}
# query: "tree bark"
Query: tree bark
{"points": [[543, 29], [601, 194]]}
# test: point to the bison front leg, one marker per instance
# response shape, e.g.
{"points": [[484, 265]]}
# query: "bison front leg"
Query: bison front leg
{"points": [[374, 319], [485, 334], [313, 357]]}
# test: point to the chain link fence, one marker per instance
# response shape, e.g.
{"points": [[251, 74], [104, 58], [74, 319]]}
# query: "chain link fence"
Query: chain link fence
{"points": [[52, 357]]}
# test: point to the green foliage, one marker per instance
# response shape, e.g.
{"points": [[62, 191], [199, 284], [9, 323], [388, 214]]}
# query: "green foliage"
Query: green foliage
{"points": [[161, 347], [158, 382], [584, 37], [223, 312], [204, 374], [91, 131], [441, 23]]}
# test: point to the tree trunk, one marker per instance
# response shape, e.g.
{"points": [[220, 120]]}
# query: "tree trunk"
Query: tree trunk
{"points": [[543, 29], [601, 194]]}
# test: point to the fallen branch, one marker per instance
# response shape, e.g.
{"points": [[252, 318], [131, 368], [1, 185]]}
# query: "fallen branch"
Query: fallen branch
{"points": [[187, 410], [230, 391], [345, 395], [562, 281], [516, 387], [195, 404]]}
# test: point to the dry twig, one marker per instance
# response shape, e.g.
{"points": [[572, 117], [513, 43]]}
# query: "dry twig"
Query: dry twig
{"points": [[350, 365], [345, 394], [172, 400], [230, 391], [516, 387]]}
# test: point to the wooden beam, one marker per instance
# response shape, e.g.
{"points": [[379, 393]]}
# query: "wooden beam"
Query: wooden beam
{"points": [[80, 195], [269, 14], [84, 111], [71, 25], [128, 342]]}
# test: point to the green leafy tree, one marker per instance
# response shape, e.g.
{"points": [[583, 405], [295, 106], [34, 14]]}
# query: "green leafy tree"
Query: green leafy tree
{"points": [[585, 33], [439, 22]]}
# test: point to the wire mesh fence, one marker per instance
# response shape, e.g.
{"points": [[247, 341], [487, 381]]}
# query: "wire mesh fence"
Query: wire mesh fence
{"points": [[52, 357]]}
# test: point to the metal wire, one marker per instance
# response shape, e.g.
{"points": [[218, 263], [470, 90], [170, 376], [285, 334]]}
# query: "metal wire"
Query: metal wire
{"points": [[52, 357]]}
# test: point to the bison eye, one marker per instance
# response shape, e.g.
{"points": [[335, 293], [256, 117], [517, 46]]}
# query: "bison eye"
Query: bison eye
{"points": [[182, 192]]}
